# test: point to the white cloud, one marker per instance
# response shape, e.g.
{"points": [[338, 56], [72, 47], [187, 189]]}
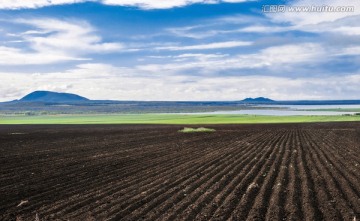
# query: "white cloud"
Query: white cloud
{"points": [[345, 23], [208, 28], [19, 4], [143, 4], [272, 57], [165, 4], [264, 29], [13, 56], [350, 51], [216, 45], [344, 26], [117, 84], [311, 18], [202, 56], [51, 41], [154, 4], [296, 53], [347, 30], [350, 29], [189, 32], [191, 56], [69, 36]]}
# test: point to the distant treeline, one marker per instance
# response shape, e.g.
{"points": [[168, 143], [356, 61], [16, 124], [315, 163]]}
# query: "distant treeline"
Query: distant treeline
{"points": [[38, 108], [140, 107]]}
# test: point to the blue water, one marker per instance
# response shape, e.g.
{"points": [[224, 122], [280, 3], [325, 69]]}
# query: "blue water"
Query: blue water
{"points": [[312, 107], [289, 110]]}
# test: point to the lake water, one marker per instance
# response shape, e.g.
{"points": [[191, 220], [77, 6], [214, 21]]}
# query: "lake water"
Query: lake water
{"points": [[272, 112], [313, 107], [291, 110]]}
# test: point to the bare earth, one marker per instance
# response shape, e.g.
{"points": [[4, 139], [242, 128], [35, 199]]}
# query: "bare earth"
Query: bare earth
{"points": [[122, 172]]}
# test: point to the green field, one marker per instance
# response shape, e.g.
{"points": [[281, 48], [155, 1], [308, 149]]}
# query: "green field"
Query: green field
{"points": [[168, 119]]}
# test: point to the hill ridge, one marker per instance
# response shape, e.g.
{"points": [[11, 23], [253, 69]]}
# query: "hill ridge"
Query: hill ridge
{"points": [[50, 96], [257, 99]]}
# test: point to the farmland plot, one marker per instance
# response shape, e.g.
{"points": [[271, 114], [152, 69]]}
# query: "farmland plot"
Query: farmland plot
{"points": [[153, 172]]}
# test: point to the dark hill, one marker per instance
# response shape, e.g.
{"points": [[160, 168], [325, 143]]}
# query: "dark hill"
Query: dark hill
{"points": [[55, 97], [258, 100]]}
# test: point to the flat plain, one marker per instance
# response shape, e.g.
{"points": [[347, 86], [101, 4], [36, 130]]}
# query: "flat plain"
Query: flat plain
{"points": [[169, 119], [307, 171]]}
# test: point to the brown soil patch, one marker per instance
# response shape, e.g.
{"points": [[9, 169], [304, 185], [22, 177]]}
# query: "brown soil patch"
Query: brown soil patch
{"points": [[150, 172]]}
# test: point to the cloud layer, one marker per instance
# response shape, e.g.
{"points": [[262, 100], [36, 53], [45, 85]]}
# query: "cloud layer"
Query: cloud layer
{"points": [[84, 80], [53, 41], [143, 4], [216, 45], [166, 55]]}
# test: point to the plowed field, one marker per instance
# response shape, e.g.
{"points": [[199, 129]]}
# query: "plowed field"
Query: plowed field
{"points": [[240, 172]]}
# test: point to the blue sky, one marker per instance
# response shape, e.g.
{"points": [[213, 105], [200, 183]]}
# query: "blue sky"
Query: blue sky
{"points": [[179, 49]]}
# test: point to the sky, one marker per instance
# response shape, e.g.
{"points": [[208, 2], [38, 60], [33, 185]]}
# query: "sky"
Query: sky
{"points": [[181, 50]]}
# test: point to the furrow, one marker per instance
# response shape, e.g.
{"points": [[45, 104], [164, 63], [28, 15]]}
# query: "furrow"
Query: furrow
{"points": [[257, 195], [224, 211]]}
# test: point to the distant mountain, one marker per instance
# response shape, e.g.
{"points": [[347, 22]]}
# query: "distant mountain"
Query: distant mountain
{"points": [[54, 97], [257, 100]]}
